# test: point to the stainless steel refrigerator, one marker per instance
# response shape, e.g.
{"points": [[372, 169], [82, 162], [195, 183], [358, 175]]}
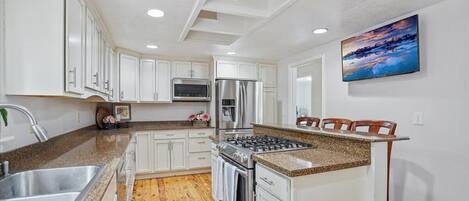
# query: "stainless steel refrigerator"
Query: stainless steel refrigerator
{"points": [[238, 104]]}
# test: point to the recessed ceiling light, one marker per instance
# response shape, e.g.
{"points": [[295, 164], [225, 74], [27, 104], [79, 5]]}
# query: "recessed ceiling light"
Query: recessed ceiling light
{"points": [[152, 46], [231, 53], [155, 13], [320, 31]]}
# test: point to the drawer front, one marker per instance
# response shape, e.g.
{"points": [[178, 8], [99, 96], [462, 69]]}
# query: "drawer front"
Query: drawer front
{"points": [[199, 145], [196, 133], [199, 160], [273, 183], [262, 195], [170, 134]]}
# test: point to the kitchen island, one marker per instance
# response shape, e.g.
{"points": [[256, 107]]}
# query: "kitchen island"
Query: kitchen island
{"points": [[342, 165]]}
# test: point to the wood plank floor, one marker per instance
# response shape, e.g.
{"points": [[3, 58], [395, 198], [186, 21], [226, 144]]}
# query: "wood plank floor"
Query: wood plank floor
{"points": [[181, 188]]}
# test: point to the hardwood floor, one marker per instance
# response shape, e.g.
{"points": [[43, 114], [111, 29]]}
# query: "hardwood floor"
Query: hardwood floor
{"points": [[181, 188]]}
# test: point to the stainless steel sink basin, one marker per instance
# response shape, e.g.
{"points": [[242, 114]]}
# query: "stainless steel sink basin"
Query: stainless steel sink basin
{"points": [[69, 183]]}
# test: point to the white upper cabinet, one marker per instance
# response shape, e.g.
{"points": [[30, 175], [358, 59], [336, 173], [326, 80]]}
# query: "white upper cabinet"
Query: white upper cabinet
{"points": [[200, 70], [227, 69], [89, 50], [236, 70], [247, 71], [61, 52], [147, 80], [268, 75], [182, 69], [163, 81], [75, 46], [185, 69], [128, 78]]}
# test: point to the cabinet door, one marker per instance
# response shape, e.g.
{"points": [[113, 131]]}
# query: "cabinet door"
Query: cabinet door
{"points": [[75, 46], [269, 106], [214, 168], [147, 80], [162, 159], [112, 74], [182, 69], [163, 81], [268, 75], [200, 70], [227, 69], [143, 152], [89, 51], [178, 154], [247, 71], [128, 78], [95, 58]]}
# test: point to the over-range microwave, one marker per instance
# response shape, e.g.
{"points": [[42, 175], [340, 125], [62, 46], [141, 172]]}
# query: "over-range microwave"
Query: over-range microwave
{"points": [[191, 90]]}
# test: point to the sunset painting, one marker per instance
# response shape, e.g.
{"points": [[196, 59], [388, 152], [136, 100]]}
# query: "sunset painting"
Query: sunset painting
{"points": [[389, 50]]}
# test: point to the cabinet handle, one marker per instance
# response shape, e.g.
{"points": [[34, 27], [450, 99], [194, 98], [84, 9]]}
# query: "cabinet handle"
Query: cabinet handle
{"points": [[202, 158], [169, 135], [122, 95], [107, 84], [170, 146], [200, 133], [155, 95], [267, 181], [112, 92], [74, 71], [201, 142], [96, 78]]}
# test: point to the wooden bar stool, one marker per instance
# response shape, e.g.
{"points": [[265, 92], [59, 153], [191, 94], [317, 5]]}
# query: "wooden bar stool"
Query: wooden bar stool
{"points": [[338, 123], [310, 121], [374, 127]]}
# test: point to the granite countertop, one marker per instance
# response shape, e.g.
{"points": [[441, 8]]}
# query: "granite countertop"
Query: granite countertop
{"points": [[309, 161], [87, 146], [351, 135]]}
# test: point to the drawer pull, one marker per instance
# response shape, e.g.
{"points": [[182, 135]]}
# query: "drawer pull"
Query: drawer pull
{"points": [[200, 133], [267, 181], [202, 158], [201, 142], [170, 135]]}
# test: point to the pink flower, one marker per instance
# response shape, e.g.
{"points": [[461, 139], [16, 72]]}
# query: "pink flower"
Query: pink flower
{"points": [[205, 117]]}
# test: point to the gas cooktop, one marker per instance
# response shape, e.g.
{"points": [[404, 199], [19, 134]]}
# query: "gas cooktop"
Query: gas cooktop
{"points": [[241, 149], [266, 143]]}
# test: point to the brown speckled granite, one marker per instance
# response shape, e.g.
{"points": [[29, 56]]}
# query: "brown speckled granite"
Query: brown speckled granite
{"points": [[340, 145], [309, 161], [87, 146], [359, 136]]}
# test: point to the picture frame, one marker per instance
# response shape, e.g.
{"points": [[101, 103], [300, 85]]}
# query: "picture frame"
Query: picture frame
{"points": [[122, 112]]}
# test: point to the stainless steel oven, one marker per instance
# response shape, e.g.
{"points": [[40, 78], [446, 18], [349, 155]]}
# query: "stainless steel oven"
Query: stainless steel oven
{"points": [[245, 185], [194, 90]]}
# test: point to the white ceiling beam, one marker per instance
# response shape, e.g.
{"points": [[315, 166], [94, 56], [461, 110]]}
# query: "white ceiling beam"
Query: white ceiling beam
{"points": [[195, 13]]}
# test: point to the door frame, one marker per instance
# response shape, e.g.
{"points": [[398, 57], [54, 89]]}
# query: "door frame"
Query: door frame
{"points": [[292, 74]]}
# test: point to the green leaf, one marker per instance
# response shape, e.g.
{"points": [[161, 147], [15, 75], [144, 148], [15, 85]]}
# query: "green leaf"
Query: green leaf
{"points": [[4, 114]]}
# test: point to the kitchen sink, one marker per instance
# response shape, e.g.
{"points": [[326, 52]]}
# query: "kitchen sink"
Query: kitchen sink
{"points": [[70, 183]]}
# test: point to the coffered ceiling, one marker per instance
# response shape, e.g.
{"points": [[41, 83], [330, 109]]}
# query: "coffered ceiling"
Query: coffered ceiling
{"points": [[266, 29]]}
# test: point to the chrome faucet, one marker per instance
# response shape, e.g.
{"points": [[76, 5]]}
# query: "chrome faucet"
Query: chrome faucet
{"points": [[39, 131]]}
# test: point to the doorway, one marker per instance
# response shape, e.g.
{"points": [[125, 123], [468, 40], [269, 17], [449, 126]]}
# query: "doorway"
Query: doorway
{"points": [[306, 89]]}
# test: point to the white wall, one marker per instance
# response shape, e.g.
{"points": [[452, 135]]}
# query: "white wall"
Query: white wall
{"points": [[433, 165], [166, 112], [58, 116]]}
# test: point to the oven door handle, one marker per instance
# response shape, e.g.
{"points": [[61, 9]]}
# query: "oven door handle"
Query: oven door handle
{"points": [[241, 172]]}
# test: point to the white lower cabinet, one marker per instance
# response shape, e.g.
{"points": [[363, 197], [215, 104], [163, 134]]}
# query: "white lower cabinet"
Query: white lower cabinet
{"points": [[173, 150], [162, 155], [178, 154], [143, 151], [347, 184]]}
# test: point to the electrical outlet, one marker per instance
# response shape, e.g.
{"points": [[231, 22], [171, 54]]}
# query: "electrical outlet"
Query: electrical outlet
{"points": [[417, 118]]}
